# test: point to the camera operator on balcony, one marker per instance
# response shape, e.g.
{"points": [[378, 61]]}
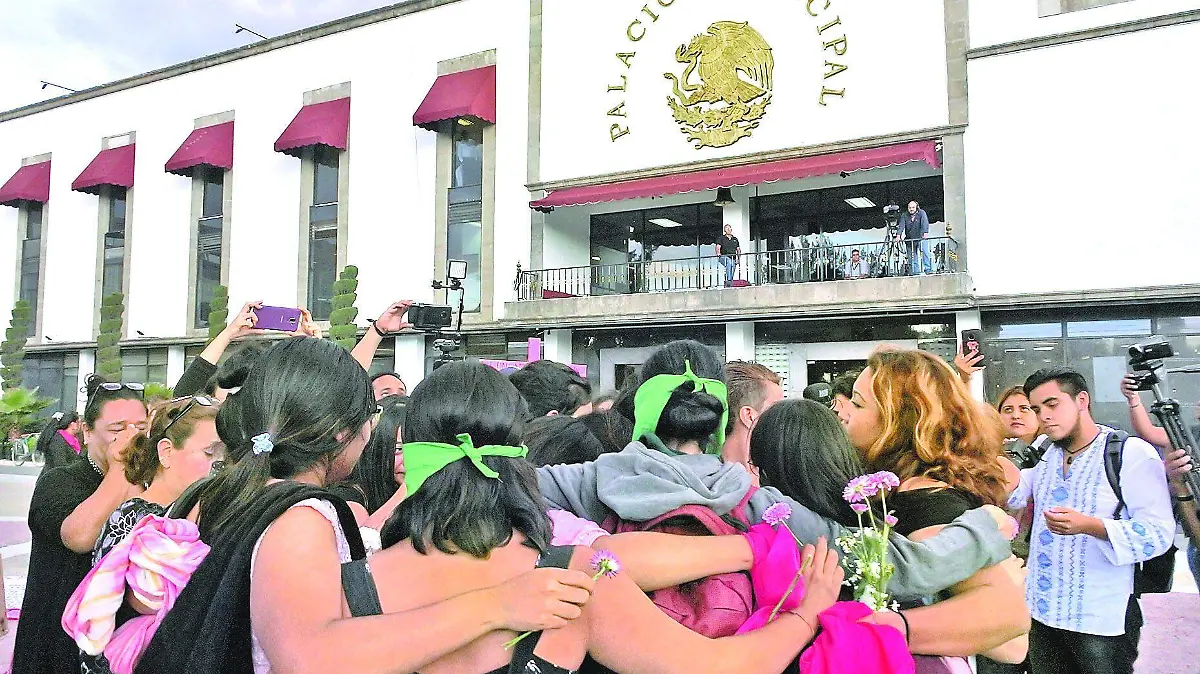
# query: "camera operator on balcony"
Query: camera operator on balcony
{"points": [[914, 227], [1177, 461]]}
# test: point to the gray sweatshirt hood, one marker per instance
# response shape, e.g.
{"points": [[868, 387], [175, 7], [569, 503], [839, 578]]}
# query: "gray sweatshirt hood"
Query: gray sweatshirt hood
{"points": [[639, 483]]}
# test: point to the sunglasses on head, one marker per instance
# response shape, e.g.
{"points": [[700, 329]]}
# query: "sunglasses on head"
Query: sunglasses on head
{"points": [[113, 387], [203, 401]]}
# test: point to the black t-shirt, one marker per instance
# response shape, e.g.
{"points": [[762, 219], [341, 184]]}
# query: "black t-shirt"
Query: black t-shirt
{"points": [[42, 647], [917, 509], [195, 377], [729, 245]]}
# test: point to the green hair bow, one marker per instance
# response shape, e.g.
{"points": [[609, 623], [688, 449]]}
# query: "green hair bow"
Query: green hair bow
{"points": [[652, 396], [423, 459]]}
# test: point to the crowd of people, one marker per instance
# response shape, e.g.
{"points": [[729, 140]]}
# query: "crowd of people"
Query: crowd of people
{"points": [[289, 513]]}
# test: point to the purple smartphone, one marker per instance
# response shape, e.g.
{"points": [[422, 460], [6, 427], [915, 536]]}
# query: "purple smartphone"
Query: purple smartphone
{"points": [[281, 319]]}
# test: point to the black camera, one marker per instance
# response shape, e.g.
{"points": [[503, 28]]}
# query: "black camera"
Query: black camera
{"points": [[1142, 353], [891, 209], [429, 317]]}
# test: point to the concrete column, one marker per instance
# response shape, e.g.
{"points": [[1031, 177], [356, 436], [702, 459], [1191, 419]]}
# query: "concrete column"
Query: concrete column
{"points": [[739, 341], [87, 367], [970, 320], [410, 359], [175, 364], [557, 346]]}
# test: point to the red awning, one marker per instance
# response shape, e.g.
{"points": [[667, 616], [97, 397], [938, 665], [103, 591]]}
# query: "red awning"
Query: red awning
{"points": [[113, 166], [30, 183], [470, 94], [325, 123], [206, 146], [752, 174]]}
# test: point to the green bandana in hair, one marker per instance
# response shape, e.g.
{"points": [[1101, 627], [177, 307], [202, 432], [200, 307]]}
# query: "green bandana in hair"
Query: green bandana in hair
{"points": [[652, 396], [423, 459]]}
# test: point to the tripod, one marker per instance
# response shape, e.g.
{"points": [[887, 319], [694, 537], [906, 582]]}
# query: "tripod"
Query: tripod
{"points": [[1185, 489], [895, 256]]}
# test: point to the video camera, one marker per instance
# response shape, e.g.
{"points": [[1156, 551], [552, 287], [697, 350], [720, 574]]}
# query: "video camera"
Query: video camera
{"points": [[1146, 363]]}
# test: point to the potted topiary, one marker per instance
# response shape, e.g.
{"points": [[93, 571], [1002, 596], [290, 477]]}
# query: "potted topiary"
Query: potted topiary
{"points": [[342, 328], [12, 350], [108, 350], [218, 312]]}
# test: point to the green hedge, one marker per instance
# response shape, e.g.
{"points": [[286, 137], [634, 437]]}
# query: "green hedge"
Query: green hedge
{"points": [[342, 328]]}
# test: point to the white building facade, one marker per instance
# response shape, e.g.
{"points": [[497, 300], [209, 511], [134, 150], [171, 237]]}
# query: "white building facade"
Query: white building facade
{"points": [[582, 158]]}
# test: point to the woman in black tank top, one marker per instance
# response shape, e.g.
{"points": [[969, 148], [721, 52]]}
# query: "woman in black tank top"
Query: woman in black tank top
{"points": [[474, 516]]}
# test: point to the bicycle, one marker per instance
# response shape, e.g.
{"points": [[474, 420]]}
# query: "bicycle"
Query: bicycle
{"points": [[24, 449]]}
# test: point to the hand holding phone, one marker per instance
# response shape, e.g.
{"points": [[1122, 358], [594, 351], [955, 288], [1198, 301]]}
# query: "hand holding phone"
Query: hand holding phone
{"points": [[279, 319]]}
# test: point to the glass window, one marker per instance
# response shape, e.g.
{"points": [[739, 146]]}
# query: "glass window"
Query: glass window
{"points": [[208, 242], [56, 376], [190, 353], [668, 248], [144, 365], [1178, 325], [464, 222], [112, 279], [1030, 331], [1108, 328], [31, 259], [323, 232]]}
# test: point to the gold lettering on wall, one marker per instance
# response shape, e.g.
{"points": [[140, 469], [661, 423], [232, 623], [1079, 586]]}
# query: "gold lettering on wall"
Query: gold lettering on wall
{"points": [[825, 91], [618, 111], [834, 69], [810, 3], [831, 24], [629, 30], [652, 15], [626, 57], [616, 131], [839, 46]]}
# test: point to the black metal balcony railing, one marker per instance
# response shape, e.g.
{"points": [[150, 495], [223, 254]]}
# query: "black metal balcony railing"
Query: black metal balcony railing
{"points": [[796, 265]]}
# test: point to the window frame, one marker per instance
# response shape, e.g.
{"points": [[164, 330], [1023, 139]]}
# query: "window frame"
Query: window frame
{"points": [[199, 178], [24, 214], [336, 228]]}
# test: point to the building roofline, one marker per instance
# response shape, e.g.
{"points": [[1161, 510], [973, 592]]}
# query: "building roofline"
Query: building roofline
{"points": [[296, 37]]}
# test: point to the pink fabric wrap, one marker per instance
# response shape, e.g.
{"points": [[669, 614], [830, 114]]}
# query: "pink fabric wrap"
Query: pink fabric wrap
{"points": [[155, 562], [847, 646], [776, 563], [568, 529], [72, 441]]}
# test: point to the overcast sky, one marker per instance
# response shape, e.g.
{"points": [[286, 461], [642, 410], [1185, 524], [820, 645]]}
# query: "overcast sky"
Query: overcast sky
{"points": [[83, 43]]}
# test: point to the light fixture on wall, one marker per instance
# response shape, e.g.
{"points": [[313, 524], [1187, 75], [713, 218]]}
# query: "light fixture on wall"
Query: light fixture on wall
{"points": [[664, 222], [724, 197], [463, 121], [860, 202]]}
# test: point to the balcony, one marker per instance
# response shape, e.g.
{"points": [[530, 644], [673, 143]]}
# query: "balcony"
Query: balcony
{"points": [[813, 280]]}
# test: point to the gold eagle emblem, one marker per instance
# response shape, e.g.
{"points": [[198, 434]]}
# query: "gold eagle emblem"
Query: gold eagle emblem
{"points": [[735, 67]]}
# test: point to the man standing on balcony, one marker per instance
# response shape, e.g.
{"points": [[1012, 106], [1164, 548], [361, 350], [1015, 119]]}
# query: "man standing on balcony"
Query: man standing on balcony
{"points": [[857, 267], [730, 250], [914, 227]]}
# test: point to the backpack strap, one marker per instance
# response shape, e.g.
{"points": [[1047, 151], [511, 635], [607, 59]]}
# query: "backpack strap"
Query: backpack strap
{"points": [[359, 587], [1114, 446], [555, 557]]}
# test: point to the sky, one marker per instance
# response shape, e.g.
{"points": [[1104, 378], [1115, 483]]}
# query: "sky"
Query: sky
{"points": [[84, 43]]}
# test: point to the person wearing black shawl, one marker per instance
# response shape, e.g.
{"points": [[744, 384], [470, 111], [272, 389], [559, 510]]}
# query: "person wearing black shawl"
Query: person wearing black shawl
{"points": [[298, 424]]}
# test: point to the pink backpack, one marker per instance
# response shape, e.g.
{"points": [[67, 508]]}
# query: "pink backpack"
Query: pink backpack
{"points": [[715, 606]]}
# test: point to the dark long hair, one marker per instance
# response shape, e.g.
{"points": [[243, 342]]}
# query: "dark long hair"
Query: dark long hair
{"points": [[801, 449], [97, 397], [561, 439], [458, 509], [690, 415], [59, 422], [304, 393], [375, 474]]}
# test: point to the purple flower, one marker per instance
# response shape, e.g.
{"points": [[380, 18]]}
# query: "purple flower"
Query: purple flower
{"points": [[890, 520], [860, 508], [777, 514], [884, 480], [860, 489], [605, 563]]}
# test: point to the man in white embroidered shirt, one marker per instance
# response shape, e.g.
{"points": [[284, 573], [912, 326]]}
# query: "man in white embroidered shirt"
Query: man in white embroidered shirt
{"points": [[1086, 619]]}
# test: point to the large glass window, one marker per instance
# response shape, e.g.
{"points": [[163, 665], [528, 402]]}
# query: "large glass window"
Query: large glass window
{"points": [[464, 222], [31, 260], [144, 366], [113, 274], [323, 232], [55, 375], [209, 231], [670, 248]]}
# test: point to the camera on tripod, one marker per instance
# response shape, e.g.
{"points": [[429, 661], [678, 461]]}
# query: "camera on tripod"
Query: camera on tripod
{"points": [[1146, 363], [434, 318]]}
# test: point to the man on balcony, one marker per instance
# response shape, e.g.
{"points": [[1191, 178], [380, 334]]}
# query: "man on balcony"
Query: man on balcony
{"points": [[914, 226], [730, 250], [857, 267]]}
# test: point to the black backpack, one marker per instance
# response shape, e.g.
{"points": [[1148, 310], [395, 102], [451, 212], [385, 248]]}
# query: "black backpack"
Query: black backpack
{"points": [[1153, 576]]}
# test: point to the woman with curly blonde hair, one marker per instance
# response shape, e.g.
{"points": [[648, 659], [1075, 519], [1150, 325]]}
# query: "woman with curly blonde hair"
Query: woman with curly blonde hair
{"points": [[910, 414]]}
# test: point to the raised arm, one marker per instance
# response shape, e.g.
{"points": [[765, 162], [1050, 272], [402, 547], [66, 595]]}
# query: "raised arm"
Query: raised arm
{"points": [[82, 527], [1143, 427], [389, 322]]}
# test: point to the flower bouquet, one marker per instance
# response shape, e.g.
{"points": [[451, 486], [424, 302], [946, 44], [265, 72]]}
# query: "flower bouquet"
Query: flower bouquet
{"points": [[867, 564]]}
